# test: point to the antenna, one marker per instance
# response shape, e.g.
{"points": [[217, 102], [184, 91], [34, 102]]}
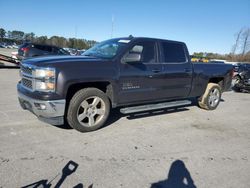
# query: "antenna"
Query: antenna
{"points": [[112, 27]]}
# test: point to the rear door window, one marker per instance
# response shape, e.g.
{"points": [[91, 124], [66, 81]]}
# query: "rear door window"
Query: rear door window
{"points": [[173, 52]]}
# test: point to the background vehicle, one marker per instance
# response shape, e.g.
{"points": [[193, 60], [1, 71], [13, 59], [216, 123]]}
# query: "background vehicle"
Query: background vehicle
{"points": [[28, 50], [136, 74], [241, 79], [220, 62]]}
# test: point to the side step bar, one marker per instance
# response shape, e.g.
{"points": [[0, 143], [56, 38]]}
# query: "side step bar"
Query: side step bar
{"points": [[148, 107]]}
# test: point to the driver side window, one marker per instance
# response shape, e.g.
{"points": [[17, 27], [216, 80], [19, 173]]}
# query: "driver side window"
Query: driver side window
{"points": [[146, 50]]}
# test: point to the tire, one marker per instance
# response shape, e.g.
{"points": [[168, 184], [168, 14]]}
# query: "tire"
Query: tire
{"points": [[211, 98], [88, 110]]}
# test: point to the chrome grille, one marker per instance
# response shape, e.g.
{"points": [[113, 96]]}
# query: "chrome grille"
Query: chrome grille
{"points": [[26, 70], [27, 83], [26, 77]]}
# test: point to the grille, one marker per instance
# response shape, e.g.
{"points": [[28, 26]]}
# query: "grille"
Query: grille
{"points": [[26, 70], [27, 83]]}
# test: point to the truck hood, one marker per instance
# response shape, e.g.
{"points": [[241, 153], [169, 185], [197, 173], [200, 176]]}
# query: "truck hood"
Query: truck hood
{"points": [[54, 60]]}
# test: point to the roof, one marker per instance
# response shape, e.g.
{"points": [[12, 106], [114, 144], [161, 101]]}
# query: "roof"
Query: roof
{"points": [[146, 38]]}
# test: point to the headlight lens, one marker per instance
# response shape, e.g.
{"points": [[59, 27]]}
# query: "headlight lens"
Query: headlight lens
{"points": [[44, 73], [44, 86], [44, 79]]}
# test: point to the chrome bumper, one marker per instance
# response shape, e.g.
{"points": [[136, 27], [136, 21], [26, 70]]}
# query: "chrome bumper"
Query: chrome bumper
{"points": [[51, 112]]}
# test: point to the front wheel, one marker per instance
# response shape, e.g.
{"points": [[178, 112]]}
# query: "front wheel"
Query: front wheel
{"points": [[88, 110], [211, 98]]}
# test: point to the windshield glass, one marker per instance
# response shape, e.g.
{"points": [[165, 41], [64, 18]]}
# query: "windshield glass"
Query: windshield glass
{"points": [[107, 49]]}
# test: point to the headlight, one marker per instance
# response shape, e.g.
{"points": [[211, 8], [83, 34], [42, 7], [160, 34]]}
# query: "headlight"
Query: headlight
{"points": [[44, 79], [44, 86], [44, 73]]}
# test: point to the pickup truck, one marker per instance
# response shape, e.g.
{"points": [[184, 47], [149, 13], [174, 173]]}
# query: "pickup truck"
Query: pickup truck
{"points": [[132, 73]]}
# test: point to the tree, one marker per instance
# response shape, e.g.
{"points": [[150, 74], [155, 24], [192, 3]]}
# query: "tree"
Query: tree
{"points": [[71, 42], [245, 41], [235, 46], [241, 46], [2, 34], [29, 36], [19, 37], [9, 34], [17, 34], [41, 40], [58, 41]]}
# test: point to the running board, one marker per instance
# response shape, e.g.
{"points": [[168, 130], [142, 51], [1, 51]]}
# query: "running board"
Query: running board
{"points": [[148, 107]]}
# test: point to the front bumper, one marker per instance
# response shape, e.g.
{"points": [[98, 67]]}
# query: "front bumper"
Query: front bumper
{"points": [[51, 112]]}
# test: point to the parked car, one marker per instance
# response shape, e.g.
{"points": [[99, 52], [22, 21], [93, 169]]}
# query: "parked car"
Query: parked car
{"points": [[3, 45], [241, 79], [81, 52], [135, 74], [28, 50]]}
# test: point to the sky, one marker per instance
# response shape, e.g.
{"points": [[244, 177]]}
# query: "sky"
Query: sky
{"points": [[204, 25]]}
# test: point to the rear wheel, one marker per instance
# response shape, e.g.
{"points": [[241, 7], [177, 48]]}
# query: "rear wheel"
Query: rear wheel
{"points": [[88, 110], [211, 98]]}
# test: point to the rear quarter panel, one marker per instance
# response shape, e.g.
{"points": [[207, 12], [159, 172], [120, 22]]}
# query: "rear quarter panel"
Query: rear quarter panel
{"points": [[203, 72]]}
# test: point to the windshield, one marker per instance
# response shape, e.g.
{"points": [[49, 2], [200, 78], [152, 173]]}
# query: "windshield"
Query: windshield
{"points": [[107, 49]]}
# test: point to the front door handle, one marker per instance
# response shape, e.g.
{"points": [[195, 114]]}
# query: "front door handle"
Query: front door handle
{"points": [[188, 70], [156, 70]]}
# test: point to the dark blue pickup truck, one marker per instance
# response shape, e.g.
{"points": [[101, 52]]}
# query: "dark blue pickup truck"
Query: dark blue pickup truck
{"points": [[133, 73]]}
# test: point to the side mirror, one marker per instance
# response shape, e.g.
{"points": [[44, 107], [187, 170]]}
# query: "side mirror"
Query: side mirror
{"points": [[132, 57]]}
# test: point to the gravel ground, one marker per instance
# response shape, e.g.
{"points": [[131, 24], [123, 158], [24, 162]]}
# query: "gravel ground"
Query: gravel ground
{"points": [[171, 147]]}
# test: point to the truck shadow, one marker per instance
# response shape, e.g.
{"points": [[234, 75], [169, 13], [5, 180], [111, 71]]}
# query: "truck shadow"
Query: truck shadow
{"points": [[116, 115], [68, 169], [178, 177]]}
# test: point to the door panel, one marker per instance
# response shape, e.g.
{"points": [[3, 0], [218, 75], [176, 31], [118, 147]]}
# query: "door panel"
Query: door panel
{"points": [[177, 70], [141, 81], [178, 79]]}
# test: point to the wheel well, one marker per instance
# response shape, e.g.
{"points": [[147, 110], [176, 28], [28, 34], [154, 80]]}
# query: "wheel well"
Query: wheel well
{"points": [[217, 80], [106, 87]]}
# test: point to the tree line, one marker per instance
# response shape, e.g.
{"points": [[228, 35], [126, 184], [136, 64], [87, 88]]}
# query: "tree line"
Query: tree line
{"points": [[240, 50], [20, 37]]}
